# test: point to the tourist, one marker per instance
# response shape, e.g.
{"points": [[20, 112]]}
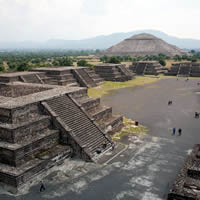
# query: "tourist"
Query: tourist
{"points": [[42, 187], [104, 145], [98, 150], [179, 132], [173, 131], [113, 145], [169, 103], [196, 115]]}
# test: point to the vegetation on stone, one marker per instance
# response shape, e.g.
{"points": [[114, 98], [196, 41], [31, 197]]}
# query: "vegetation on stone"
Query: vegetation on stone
{"points": [[130, 128]]}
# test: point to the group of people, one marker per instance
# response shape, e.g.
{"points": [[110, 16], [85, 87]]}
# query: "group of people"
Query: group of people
{"points": [[179, 131], [104, 145], [169, 102], [174, 129]]}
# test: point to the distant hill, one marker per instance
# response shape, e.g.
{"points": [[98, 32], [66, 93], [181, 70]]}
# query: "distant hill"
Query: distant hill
{"points": [[141, 45], [100, 42]]}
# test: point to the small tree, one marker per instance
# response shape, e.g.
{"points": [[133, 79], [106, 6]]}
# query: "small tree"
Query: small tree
{"points": [[104, 59], [83, 63], [114, 60], [23, 67], [162, 62], [2, 68]]}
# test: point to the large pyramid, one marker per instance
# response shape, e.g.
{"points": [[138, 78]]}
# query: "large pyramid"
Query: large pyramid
{"points": [[142, 45]]}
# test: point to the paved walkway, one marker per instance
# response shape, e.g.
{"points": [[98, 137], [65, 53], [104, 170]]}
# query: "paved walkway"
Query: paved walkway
{"points": [[148, 167]]}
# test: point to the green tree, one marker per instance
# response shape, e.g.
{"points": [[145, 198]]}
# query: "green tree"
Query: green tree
{"points": [[162, 62], [83, 63], [104, 59], [114, 60], [23, 67], [2, 68]]}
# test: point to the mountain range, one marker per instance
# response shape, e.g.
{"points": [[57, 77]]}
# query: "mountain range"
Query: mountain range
{"points": [[100, 42]]}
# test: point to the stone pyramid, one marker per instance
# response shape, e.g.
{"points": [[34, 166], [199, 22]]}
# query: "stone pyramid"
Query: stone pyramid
{"points": [[142, 45]]}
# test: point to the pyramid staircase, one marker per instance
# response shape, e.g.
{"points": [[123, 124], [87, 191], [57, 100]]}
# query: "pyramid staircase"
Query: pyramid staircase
{"points": [[84, 78], [101, 114], [32, 78], [96, 78], [64, 78], [126, 72], [184, 70], [82, 129], [112, 72], [145, 68]]}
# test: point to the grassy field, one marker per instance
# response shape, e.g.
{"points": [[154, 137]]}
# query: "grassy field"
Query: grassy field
{"points": [[109, 86]]}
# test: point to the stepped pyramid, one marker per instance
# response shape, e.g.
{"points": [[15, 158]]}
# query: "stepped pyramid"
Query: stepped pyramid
{"points": [[42, 124], [142, 45]]}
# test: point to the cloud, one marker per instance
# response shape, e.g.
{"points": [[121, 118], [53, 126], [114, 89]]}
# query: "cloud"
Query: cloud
{"points": [[77, 19], [94, 7]]}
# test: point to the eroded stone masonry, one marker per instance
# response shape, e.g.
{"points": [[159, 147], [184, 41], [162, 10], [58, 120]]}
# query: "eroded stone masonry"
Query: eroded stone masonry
{"points": [[43, 122], [185, 69], [113, 72], [147, 68], [187, 184]]}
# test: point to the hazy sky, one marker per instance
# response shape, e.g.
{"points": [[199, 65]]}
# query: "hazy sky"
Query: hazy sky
{"points": [[77, 19]]}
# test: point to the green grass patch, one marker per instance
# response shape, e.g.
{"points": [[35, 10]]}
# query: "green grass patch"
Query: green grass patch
{"points": [[130, 128], [109, 86]]}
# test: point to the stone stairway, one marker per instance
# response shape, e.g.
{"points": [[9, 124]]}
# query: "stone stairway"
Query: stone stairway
{"points": [[145, 68], [58, 77], [140, 69], [110, 72], [183, 70], [82, 128], [32, 78], [84, 78], [96, 78], [101, 114], [126, 72]]}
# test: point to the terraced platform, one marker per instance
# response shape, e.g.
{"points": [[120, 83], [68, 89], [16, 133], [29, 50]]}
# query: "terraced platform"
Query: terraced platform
{"points": [[113, 72], [41, 125]]}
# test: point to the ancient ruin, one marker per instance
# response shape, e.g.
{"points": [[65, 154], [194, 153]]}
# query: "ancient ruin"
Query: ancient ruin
{"points": [[185, 69], [65, 76], [147, 68], [42, 124], [113, 72], [187, 184], [142, 45]]}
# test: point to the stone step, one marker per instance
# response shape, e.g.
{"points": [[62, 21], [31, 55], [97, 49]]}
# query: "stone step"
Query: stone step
{"points": [[32, 78], [17, 176], [14, 133], [62, 77], [112, 121], [89, 103], [16, 154], [83, 77], [83, 128], [100, 112]]}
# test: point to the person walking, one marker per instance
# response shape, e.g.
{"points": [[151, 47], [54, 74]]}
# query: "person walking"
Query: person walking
{"points": [[42, 187], [196, 115], [173, 131], [179, 132]]}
